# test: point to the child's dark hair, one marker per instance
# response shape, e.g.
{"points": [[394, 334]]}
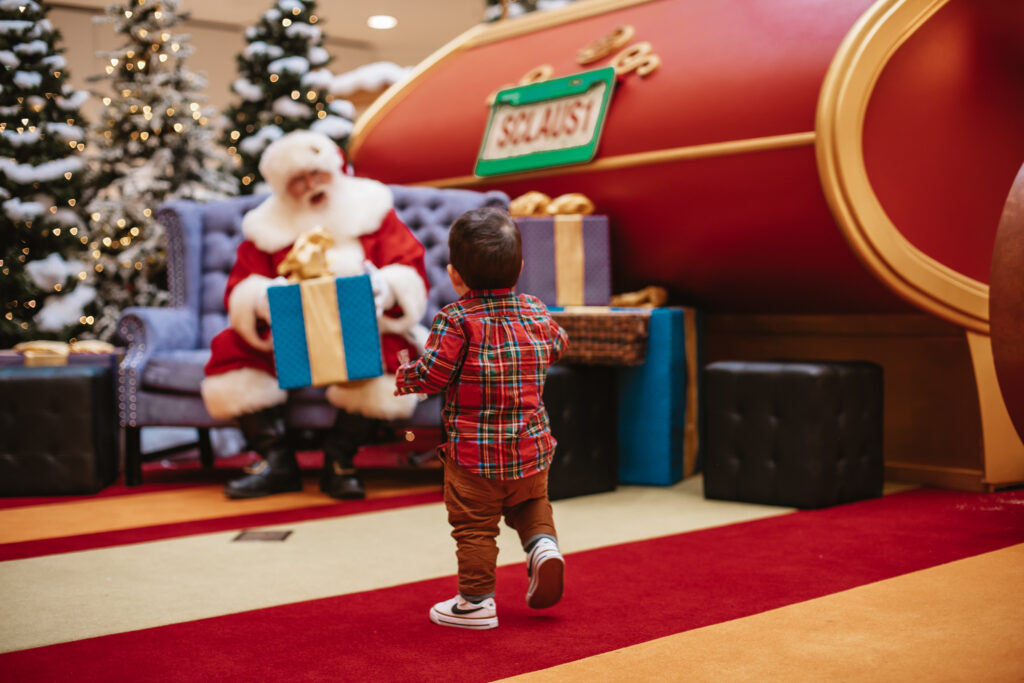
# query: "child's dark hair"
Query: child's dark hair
{"points": [[486, 249]]}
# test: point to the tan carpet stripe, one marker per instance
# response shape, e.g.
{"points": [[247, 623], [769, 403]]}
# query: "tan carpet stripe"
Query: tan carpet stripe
{"points": [[960, 621], [159, 507]]}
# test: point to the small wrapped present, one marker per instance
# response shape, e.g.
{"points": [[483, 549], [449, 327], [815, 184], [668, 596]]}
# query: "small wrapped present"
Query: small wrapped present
{"points": [[48, 353], [659, 423], [567, 260], [325, 331]]}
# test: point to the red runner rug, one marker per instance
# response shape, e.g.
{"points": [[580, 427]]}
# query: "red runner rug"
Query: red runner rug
{"points": [[185, 471], [615, 597]]}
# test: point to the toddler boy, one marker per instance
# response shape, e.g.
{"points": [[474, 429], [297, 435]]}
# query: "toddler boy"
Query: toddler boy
{"points": [[489, 353]]}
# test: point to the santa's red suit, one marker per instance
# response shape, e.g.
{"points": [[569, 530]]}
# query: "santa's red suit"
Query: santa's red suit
{"points": [[359, 215]]}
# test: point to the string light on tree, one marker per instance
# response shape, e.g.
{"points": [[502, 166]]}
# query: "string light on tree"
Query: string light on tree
{"points": [[40, 145], [501, 9], [157, 145], [282, 77]]}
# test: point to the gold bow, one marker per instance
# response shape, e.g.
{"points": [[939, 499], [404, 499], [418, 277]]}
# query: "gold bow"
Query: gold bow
{"points": [[539, 204], [648, 297], [307, 258]]}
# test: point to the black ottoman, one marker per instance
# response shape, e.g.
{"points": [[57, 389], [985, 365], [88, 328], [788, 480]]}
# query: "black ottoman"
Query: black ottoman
{"points": [[799, 434], [581, 401], [57, 430]]}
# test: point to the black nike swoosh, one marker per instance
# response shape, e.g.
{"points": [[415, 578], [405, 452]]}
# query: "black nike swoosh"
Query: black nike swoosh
{"points": [[456, 610]]}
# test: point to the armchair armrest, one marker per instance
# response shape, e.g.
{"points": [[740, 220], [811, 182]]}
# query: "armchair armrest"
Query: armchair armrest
{"points": [[158, 329], [147, 330]]}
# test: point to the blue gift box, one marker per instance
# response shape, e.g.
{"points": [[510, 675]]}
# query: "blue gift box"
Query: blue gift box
{"points": [[325, 331], [657, 398], [658, 402]]}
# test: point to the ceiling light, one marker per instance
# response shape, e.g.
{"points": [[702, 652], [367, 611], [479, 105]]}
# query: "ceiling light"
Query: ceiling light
{"points": [[382, 21]]}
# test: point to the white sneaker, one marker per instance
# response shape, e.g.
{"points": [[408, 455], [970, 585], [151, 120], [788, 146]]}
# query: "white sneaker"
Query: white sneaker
{"points": [[546, 568], [465, 614]]}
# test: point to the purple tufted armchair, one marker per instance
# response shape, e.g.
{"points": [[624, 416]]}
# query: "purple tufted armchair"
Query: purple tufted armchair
{"points": [[158, 380]]}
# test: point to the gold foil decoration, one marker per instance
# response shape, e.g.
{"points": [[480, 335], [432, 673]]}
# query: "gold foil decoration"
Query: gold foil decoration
{"points": [[648, 297], [639, 58], [537, 74], [605, 45], [308, 257]]}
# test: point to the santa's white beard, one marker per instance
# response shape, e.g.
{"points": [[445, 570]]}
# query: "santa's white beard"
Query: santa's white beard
{"points": [[308, 213], [351, 207]]}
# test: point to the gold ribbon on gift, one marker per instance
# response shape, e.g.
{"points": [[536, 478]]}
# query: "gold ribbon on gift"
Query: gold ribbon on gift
{"points": [[569, 260], [323, 331]]}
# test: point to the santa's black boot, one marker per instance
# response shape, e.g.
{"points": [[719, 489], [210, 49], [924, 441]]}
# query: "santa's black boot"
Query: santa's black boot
{"points": [[266, 432], [339, 478]]}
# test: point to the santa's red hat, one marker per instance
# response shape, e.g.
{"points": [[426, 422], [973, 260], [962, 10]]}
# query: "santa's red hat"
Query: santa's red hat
{"points": [[298, 151]]}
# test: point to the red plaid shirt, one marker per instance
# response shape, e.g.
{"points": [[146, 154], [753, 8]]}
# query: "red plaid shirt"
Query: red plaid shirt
{"points": [[489, 353]]}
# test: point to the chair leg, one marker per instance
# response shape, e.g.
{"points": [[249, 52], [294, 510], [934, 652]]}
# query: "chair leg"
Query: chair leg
{"points": [[132, 456], [205, 447]]}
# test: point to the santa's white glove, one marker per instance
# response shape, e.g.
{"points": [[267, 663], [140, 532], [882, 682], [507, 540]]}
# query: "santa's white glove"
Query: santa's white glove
{"points": [[263, 303], [383, 296]]}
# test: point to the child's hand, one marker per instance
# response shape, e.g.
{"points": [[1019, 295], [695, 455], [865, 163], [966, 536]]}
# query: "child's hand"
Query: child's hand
{"points": [[402, 360]]}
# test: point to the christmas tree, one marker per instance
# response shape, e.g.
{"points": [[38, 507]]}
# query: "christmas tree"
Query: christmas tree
{"points": [[41, 177], [283, 85], [506, 9], [155, 142]]}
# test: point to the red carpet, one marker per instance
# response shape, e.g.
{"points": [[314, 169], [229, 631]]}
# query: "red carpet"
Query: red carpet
{"points": [[615, 597], [184, 470]]}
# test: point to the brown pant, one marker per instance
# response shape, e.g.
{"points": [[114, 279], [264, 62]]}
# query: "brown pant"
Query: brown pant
{"points": [[475, 506]]}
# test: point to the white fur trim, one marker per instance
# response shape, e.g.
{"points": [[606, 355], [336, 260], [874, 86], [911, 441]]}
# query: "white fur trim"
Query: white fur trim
{"points": [[373, 398], [300, 150], [346, 258], [242, 305], [410, 294], [241, 391], [354, 207]]}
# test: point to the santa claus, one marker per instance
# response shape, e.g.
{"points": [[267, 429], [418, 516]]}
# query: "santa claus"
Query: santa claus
{"points": [[311, 190]]}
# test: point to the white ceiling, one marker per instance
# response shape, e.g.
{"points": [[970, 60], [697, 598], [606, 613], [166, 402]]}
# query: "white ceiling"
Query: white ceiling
{"points": [[423, 25]]}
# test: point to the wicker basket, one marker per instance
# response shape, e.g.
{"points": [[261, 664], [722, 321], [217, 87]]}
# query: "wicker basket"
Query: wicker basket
{"points": [[604, 336]]}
